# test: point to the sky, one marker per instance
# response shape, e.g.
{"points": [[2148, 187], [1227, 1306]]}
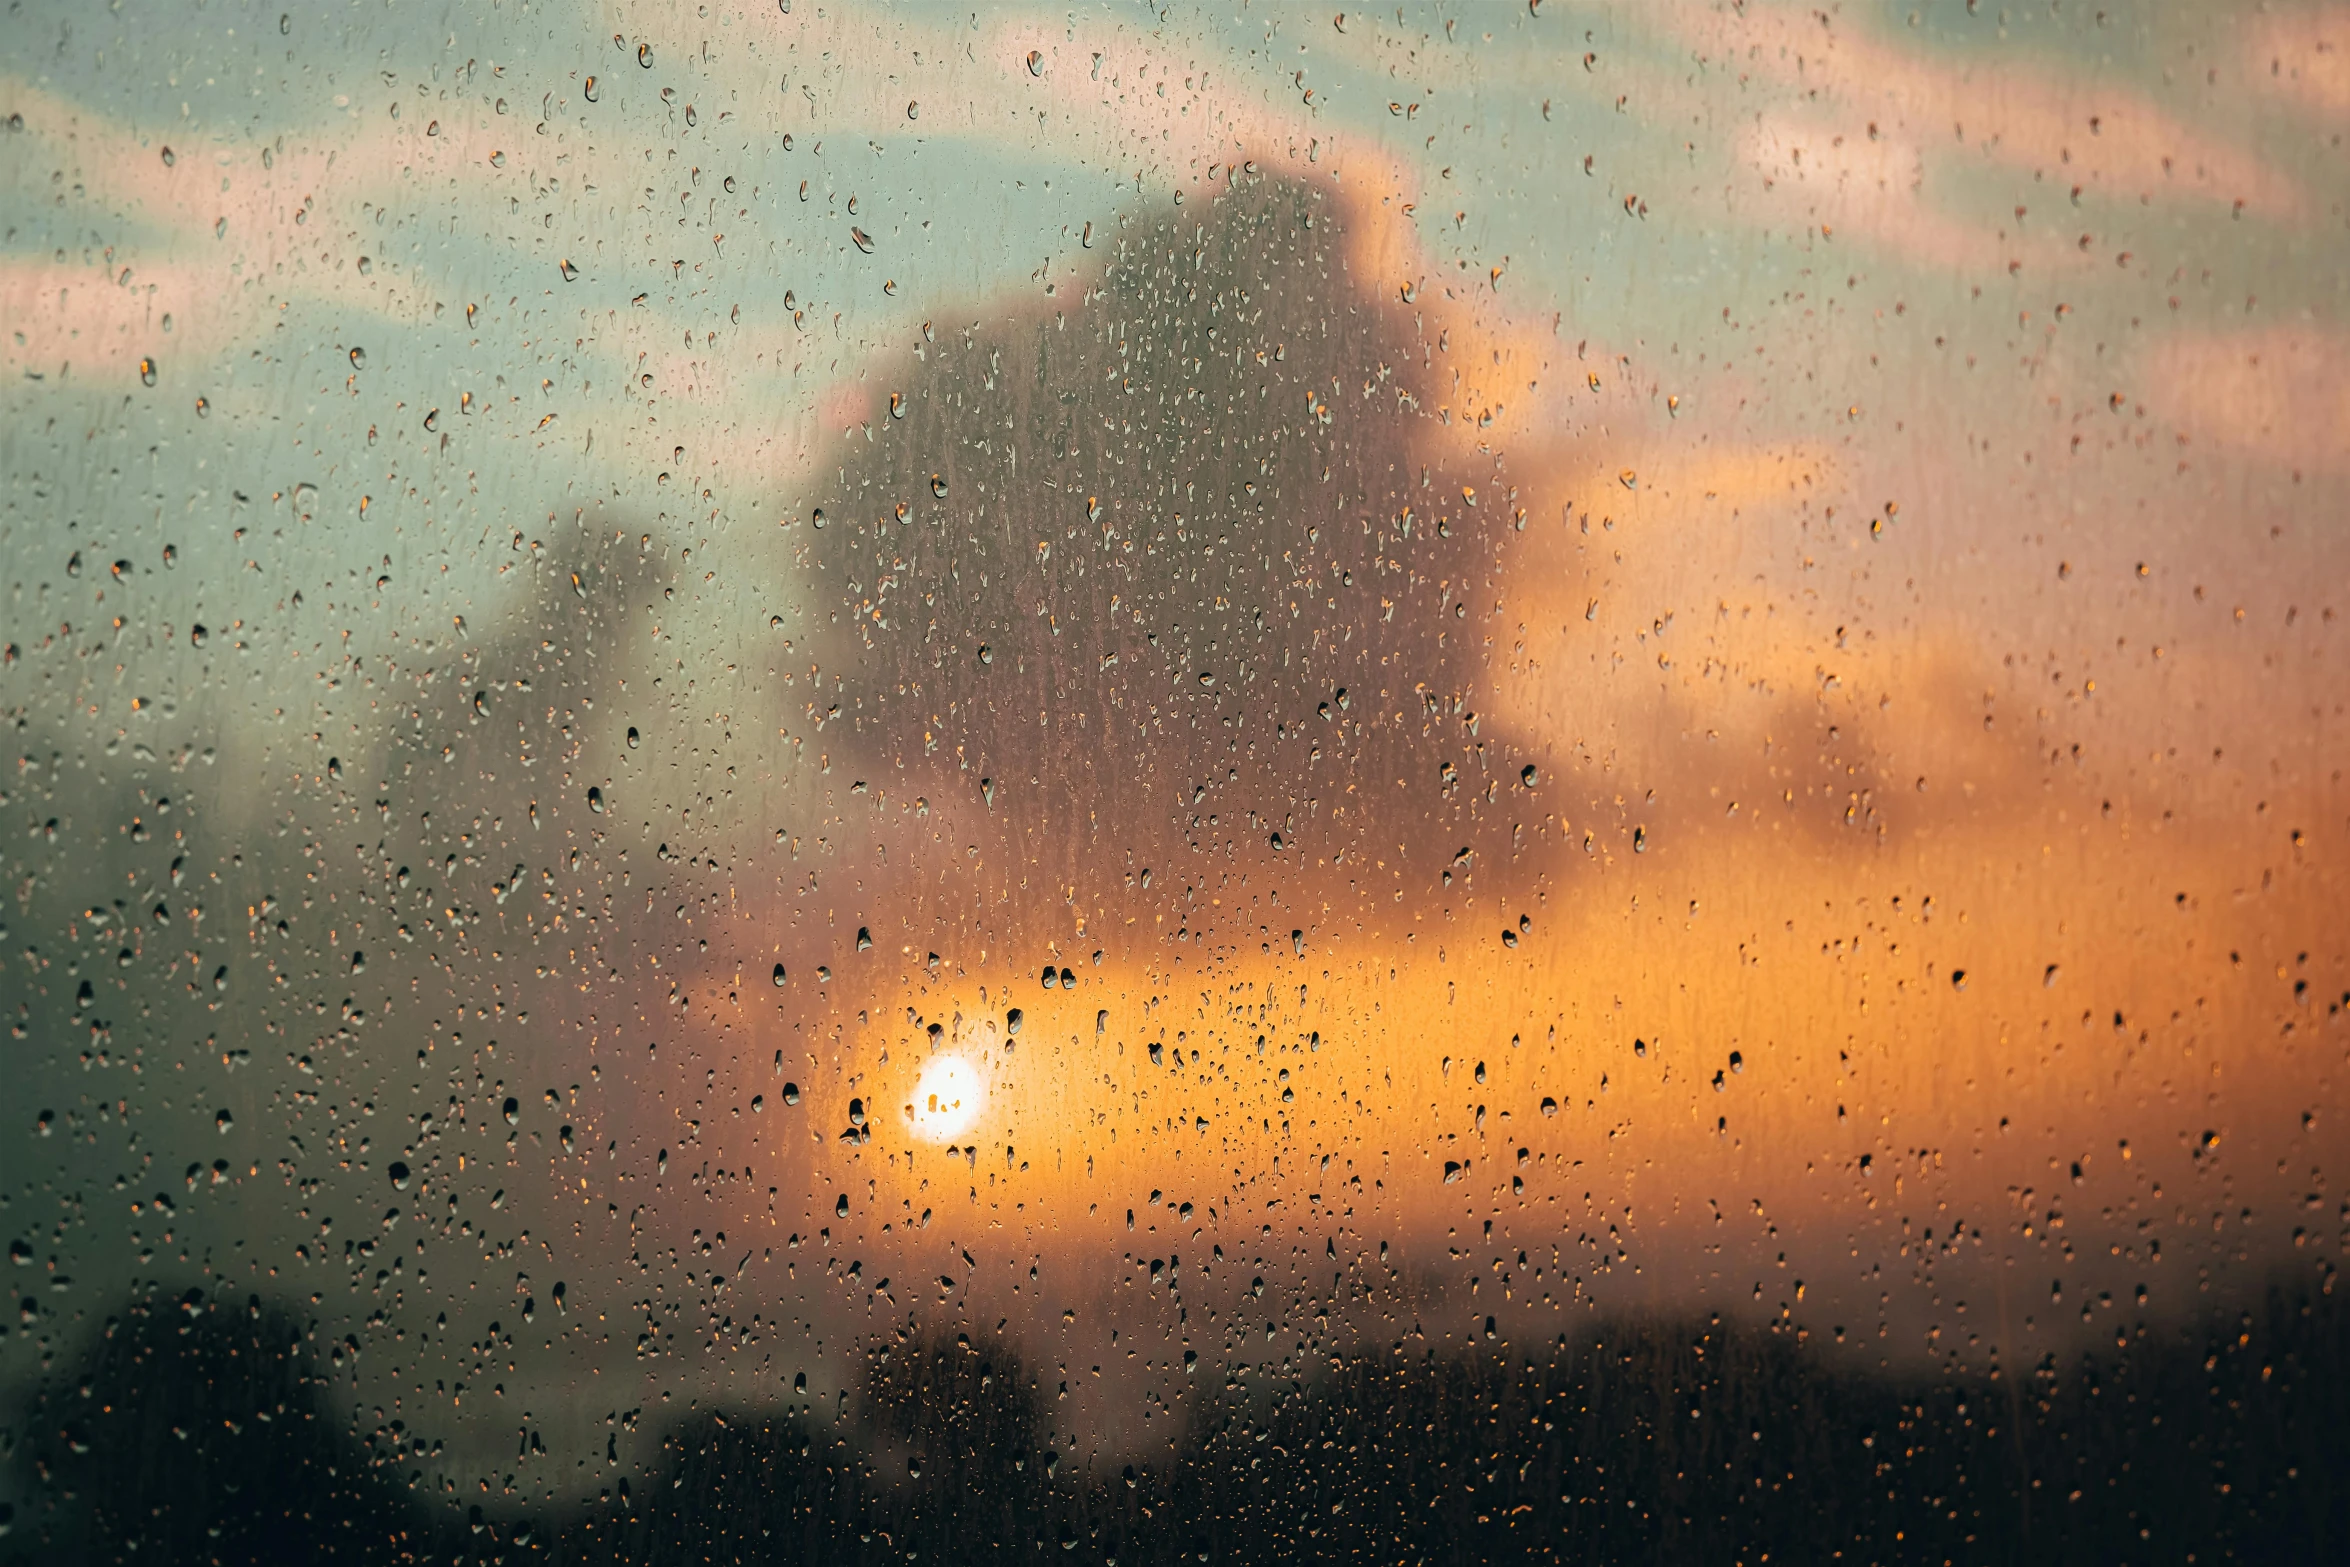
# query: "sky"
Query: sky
{"points": [[1619, 659]]}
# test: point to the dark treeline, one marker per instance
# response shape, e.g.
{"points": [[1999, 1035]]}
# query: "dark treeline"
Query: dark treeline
{"points": [[200, 1433]]}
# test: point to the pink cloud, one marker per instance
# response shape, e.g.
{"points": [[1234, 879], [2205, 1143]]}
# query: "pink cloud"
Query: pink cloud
{"points": [[2305, 56], [1874, 188], [2282, 393], [2108, 139], [104, 318]]}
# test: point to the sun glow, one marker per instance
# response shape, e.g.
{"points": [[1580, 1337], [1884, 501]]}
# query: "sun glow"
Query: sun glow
{"points": [[948, 1099]]}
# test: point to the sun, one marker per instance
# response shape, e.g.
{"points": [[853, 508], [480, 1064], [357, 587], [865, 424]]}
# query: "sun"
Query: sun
{"points": [[948, 1099]]}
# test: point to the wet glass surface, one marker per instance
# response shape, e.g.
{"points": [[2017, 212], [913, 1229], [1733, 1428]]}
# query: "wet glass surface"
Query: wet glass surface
{"points": [[835, 783]]}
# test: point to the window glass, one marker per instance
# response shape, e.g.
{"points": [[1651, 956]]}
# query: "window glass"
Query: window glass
{"points": [[847, 782]]}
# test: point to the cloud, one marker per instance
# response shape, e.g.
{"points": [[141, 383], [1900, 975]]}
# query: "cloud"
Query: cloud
{"points": [[2110, 139], [2281, 393], [2306, 56]]}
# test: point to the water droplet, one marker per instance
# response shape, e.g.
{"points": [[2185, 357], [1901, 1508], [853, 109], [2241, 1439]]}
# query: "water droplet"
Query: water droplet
{"points": [[644, 55], [862, 240], [224, 1121], [1012, 1021], [1036, 62], [399, 1174], [596, 800], [147, 372]]}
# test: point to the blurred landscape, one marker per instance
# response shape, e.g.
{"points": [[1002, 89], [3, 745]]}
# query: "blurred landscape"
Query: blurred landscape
{"points": [[202, 1431]]}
